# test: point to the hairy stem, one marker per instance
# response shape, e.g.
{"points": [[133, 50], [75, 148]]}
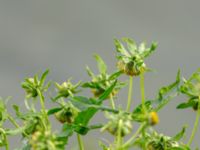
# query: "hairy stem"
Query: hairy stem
{"points": [[129, 94], [80, 142]]}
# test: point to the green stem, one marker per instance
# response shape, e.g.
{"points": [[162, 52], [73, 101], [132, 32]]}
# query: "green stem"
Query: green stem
{"points": [[5, 137], [15, 124], [13, 121], [6, 144], [43, 107], [112, 103], [129, 142], [129, 93], [142, 91], [195, 125], [119, 135], [80, 142]]}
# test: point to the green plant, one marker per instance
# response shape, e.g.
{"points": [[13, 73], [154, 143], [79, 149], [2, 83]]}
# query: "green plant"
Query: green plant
{"points": [[74, 111]]}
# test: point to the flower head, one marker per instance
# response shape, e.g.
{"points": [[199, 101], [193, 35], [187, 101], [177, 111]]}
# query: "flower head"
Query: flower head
{"points": [[116, 121], [66, 89], [103, 80], [131, 60], [33, 85]]}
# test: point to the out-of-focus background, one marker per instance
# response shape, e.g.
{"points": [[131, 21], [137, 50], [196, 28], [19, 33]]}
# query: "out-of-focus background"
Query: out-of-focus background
{"points": [[63, 35]]}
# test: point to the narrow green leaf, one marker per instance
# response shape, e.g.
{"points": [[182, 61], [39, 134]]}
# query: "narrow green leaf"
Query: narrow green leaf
{"points": [[186, 105], [101, 64], [115, 75], [43, 77], [120, 48], [180, 135], [15, 131], [107, 92], [17, 110], [53, 110], [89, 72], [150, 50], [132, 47]]}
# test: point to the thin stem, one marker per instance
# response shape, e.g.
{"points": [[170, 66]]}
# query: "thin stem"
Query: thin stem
{"points": [[129, 142], [80, 142], [142, 91], [13, 121], [119, 135], [15, 124], [129, 94], [6, 144], [112, 103], [43, 107], [195, 125], [5, 137]]}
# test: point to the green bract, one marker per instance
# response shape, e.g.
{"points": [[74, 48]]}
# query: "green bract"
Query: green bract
{"points": [[33, 85], [67, 114], [115, 121], [66, 89], [102, 81], [131, 59]]}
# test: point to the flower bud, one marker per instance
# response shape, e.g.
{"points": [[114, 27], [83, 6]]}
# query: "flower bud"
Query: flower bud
{"points": [[45, 140], [114, 124], [67, 114], [153, 118]]}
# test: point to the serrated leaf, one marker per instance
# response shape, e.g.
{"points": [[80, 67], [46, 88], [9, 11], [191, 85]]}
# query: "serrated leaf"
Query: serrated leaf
{"points": [[166, 93]]}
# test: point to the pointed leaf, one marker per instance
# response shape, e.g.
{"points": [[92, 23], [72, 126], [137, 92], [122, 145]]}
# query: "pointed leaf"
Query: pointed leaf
{"points": [[43, 77], [101, 64], [120, 48], [179, 135]]}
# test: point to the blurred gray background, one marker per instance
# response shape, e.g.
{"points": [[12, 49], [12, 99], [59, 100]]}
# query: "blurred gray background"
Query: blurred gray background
{"points": [[62, 35]]}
